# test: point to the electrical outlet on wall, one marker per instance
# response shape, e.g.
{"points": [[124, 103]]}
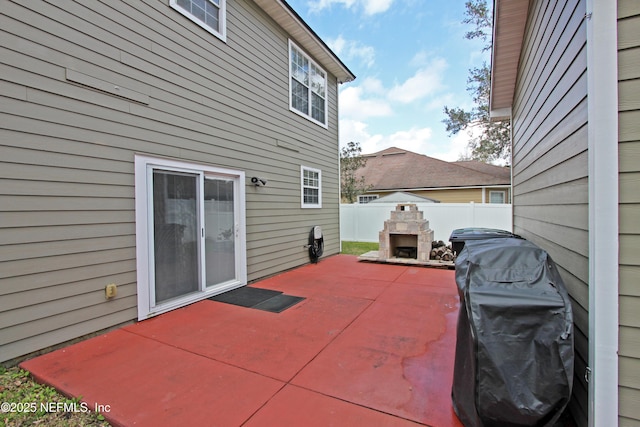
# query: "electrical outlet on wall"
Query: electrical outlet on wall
{"points": [[110, 291]]}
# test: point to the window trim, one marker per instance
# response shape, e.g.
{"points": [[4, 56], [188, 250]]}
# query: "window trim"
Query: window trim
{"points": [[222, 34], [302, 188], [308, 115]]}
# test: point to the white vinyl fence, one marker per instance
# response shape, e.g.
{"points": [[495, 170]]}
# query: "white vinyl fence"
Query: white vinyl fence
{"points": [[362, 222]]}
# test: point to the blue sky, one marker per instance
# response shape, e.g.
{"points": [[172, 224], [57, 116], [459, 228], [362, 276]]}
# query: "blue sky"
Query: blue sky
{"points": [[410, 58]]}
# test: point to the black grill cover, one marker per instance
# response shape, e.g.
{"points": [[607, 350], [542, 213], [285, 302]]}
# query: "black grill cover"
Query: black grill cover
{"points": [[514, 350]]}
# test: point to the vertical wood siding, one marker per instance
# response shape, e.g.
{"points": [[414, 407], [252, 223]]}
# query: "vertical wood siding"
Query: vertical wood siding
{"points": [[550, 163], [629, 218], [68, 139]]}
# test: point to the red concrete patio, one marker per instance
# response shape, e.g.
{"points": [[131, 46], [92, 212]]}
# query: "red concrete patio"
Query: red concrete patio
{"points": [[371, 345]]}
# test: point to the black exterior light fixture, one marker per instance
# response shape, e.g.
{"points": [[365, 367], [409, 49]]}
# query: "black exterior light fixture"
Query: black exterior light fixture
{"points": [[258, 182]]}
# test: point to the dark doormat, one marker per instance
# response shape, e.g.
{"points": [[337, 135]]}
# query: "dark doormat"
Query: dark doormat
{"points": [[258, 298], [278, 303], [246, 296]]}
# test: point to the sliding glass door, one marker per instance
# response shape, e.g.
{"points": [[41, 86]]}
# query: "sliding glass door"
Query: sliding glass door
{"points": [[220, 225], [175, 234], [190, 220]]}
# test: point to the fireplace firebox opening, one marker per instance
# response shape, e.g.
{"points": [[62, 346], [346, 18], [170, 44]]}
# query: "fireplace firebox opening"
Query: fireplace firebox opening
{"points": [[403, 245]]}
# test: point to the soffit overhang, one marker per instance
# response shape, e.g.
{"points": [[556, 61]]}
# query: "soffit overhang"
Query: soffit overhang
{"points": [[509, 22], [304, 36]]}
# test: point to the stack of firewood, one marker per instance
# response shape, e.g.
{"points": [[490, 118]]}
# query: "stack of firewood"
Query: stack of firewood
{"points": [[441, 252]]}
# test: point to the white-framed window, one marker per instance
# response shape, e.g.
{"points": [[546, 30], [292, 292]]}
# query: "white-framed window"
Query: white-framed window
{"points": [[367, 199], [307, 86], [209, 14], [311, 187], [497, 196]]}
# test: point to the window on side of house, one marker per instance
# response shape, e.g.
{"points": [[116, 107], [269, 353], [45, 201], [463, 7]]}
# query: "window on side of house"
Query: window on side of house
{"points": [[497, 197], [366, 199], [209, 14], [307, 86], [311, 187]]}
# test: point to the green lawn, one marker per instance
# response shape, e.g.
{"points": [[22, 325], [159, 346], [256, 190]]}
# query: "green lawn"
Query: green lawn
{"points": [[27, 403], [358, 248]]}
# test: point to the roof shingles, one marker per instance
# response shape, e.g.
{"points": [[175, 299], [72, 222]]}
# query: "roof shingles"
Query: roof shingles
{"points": [[395, 169]]}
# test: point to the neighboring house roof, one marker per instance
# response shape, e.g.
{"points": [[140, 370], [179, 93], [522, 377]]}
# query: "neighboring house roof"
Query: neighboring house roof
{"points": [[483, 167], [287, 18], [403, 197], [399, 169]]}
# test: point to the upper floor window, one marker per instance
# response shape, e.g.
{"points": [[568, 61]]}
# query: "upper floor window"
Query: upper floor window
{"points": [[308, 86], [311, 187], [209, 14]]}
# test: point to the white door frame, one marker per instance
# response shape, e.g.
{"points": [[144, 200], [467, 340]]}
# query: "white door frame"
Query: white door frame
{"points": [[144, 239]]}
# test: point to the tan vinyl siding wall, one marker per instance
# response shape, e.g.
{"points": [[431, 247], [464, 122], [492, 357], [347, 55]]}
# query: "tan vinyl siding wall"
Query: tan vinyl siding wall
{"points": [[629, 219], [464, 195], [550, 163], [67, 150]]}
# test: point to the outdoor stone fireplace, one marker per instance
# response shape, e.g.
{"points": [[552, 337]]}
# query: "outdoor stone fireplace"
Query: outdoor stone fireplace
{"points": [[406, 235]]}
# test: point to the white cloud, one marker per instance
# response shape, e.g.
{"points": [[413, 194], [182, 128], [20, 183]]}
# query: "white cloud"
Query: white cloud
{"points": [[370, 7], [457, 147], [416, 139], [371, 100], [355, 105], [426, 81], [352, 50], [356, 131], [420, 59], [337, 45], [373, 86], [437, 104]]}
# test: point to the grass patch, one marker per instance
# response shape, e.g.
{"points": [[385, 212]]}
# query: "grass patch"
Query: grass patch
{"points": [[358, 248], [27, 403]]}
